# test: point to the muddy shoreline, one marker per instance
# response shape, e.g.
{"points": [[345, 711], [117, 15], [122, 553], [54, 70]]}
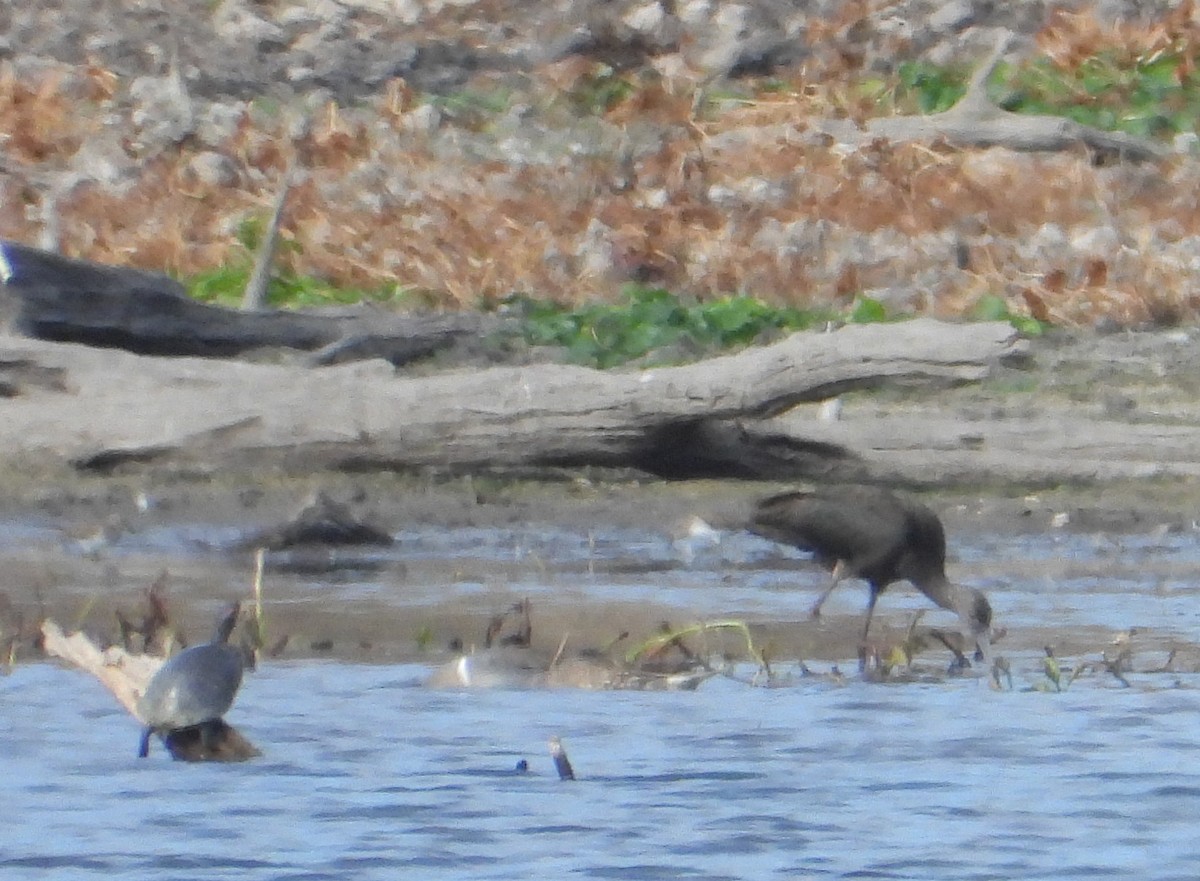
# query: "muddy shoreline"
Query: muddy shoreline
{"points": [[92, 538], [90, 576]]}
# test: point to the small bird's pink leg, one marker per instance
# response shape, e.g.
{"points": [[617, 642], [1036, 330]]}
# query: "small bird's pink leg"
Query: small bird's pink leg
{"points": [[839, 572]]}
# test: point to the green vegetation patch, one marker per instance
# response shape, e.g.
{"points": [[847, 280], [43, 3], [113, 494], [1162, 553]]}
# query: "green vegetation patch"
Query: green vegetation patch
{"points": [[1154, 95], [992, 307], [652, 320], [226, 285]]}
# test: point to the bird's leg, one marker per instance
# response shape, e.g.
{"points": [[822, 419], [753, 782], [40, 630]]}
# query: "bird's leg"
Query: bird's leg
{"points": [[870, 611], [838, 573], [868, 655], [144, 745]]}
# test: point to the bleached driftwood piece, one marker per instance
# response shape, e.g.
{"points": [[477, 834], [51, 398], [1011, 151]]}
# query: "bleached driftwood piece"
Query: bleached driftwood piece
{"points": [[976, 122]]}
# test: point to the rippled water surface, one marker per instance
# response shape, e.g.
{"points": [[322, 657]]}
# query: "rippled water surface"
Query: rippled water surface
{"points": [[368, 775]]}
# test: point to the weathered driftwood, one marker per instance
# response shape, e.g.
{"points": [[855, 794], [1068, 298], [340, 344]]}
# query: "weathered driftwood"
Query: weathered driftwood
{"points": [[126, 675], [509, 661], [50, 297], [974, 121], [926, 448], [508, 667], [255, 296], [124, 409]]}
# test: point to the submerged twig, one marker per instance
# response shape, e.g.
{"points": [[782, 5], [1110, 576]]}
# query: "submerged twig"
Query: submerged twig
{"points": [[562, 645], [561, 763], [259, 637]]}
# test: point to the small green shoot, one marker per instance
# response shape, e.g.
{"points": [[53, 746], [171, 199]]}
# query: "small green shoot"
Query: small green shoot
{"points": [[1056, 680], [992, 307], [424, 638], [1052, 669], [660, 640], [600, 91]]}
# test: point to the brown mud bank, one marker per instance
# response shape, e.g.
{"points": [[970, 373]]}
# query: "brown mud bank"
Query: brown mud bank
{"points": [[1093, 434], [96, 555]]}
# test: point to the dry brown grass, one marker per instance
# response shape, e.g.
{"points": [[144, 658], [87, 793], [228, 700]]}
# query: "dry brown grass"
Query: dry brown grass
{"points": [[382, 207], [1071, 38]]}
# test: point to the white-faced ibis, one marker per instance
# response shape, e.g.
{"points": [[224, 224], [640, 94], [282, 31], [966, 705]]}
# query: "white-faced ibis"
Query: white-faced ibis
{"points": [[876, 535], [196, 687]]}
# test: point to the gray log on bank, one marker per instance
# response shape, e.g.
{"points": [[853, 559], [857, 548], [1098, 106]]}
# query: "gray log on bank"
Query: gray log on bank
{"points": [[50, 297], [122, 409], [126, 676]]}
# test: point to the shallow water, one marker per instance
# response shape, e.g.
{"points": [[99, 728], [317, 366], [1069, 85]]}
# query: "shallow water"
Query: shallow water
{"points": [[366, 775], [1056, 578]]}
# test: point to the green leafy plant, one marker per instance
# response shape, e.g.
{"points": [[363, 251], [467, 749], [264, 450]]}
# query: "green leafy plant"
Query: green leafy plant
{"points": [[1057, 678], [606, 335], [473, 109], [600, 91], [226, 285], [992, 307], [932, 87], [867, 311]]}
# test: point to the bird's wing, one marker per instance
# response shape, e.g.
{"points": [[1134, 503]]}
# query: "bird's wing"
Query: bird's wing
{"points": [[855, 524]]}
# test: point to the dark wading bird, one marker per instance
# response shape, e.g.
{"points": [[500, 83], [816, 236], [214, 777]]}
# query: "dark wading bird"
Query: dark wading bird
{"points": [[195, 688], [873, 534]]}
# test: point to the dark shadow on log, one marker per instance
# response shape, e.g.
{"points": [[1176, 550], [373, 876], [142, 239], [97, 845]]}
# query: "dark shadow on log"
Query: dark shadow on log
{"points": [[705, 448], [224, 744], [323, 536], [19, 376], [55, 298]]}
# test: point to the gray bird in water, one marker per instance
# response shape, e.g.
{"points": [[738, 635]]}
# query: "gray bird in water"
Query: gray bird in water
{"points": [[873, 534], [196, 687]]}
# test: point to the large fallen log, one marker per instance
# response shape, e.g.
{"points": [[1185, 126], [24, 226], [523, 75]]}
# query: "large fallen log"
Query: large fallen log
{"points": [[119, 409], [50, 297], [126, 675]]}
